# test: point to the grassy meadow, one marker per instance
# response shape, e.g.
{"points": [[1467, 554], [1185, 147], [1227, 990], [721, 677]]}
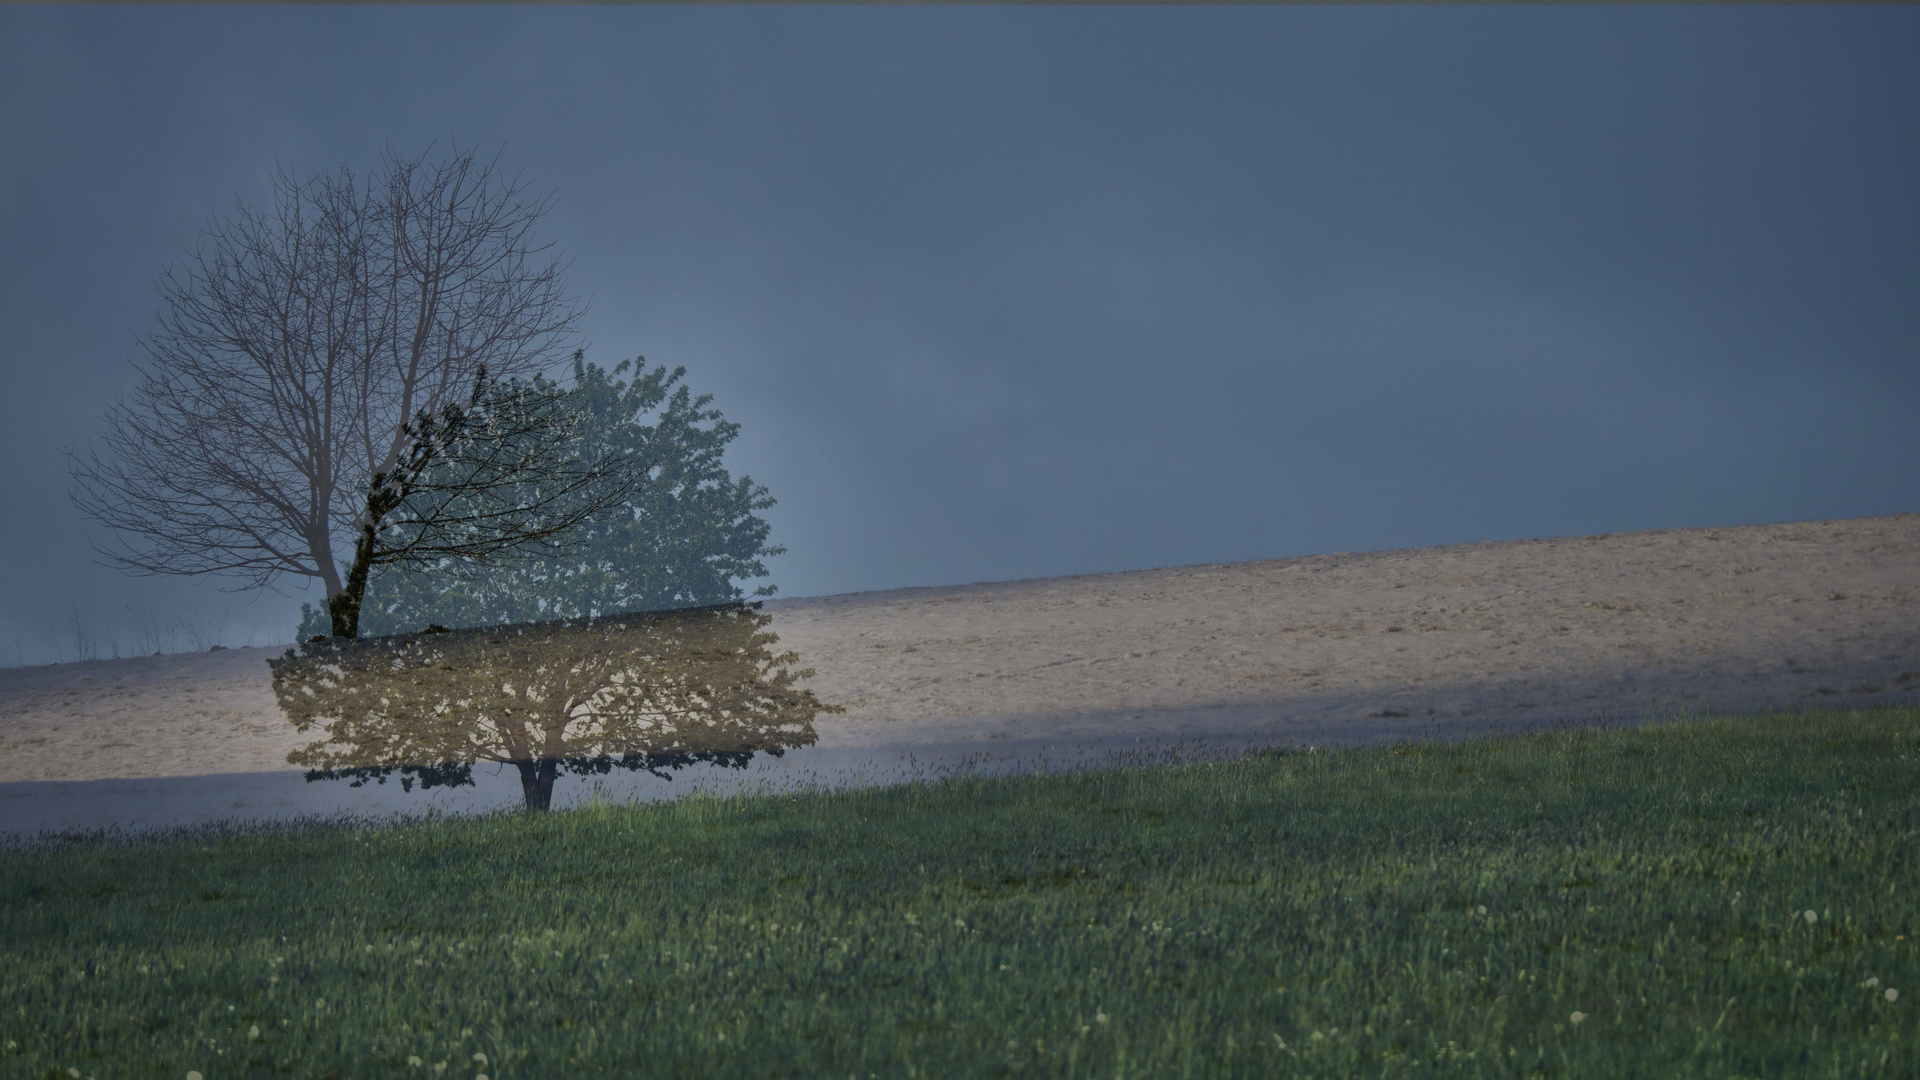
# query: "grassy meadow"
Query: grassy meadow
{"points": [[1723, 897]]}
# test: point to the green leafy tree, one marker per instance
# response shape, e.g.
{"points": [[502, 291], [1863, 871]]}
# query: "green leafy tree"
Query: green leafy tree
{"points": [[684, 533]]}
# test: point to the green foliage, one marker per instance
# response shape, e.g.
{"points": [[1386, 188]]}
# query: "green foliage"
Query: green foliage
{"points": [[1574, 904], [687, 534]]}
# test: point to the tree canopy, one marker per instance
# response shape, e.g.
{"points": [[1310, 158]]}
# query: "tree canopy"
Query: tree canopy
{"points": [[682, 535], [653, 691]]}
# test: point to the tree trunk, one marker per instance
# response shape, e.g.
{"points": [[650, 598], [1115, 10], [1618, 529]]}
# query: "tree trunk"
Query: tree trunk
{"points": [[344, 608], [536, 781]]}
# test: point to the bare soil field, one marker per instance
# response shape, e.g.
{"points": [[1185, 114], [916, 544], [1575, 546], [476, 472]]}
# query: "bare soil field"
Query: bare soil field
{"points": [[1326, 650]]}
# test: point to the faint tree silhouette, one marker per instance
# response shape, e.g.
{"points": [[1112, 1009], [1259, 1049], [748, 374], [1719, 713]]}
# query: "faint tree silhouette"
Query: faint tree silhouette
{"points": [[685, 531]]}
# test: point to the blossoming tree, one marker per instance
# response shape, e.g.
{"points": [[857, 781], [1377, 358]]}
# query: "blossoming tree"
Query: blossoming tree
{"points": [[651, 690]]}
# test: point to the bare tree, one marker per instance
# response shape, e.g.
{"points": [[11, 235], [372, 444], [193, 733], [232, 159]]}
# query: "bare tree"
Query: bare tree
{"points": [[296, 356]]}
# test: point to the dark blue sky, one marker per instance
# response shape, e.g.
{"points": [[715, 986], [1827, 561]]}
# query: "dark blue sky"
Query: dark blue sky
{"points": [[1012, 292]]}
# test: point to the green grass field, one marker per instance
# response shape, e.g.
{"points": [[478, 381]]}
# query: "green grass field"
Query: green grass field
{"points": [[1706, 898]]}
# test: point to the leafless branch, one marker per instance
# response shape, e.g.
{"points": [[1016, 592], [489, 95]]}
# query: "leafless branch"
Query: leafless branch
{"points": [[502, 475], [293, 348]]}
